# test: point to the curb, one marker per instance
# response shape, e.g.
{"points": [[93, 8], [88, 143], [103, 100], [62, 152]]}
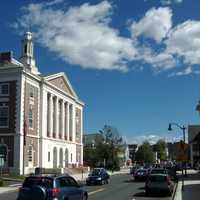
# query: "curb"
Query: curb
{"points": [[174, 192], [9, 191], [12, 179]]}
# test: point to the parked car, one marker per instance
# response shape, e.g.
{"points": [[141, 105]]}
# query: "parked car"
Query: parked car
{"points": [[141, 175], [51, 187], [98, 176], [133, 170], [159, 183]]}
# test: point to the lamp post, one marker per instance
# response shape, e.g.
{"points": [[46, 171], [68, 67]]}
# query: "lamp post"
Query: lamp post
{"points": [[183, 128]]}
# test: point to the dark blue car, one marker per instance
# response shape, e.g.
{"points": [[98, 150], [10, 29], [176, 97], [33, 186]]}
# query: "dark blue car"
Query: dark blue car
{"points": [[51, 187], [98, 176]]}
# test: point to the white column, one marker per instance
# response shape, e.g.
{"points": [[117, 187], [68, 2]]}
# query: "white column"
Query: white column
{"points": [[73, 123], [81, 125], [48, 115], [51, 115], [68, 120], [56, 118], [63, 119]]}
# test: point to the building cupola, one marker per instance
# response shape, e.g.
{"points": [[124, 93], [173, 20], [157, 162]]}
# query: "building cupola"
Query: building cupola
{"points": [[27, 57]]}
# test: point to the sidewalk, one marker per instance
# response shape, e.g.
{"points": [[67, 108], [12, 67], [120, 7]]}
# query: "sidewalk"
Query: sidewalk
{"points": [[78, 177], [191, 187]]}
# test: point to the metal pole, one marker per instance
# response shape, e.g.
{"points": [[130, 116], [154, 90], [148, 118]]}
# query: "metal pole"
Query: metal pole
{"points": [[185, 167], [182, 178]]}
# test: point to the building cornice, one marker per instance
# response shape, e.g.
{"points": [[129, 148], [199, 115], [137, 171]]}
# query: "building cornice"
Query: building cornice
{"points": [[60, 91]]}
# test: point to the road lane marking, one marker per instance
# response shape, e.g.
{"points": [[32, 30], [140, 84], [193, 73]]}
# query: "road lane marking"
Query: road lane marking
{"points": [[94, 192]]}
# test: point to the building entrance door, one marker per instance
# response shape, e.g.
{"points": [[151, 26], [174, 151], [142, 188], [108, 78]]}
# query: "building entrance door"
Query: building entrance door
{"points": [[3, 155]]}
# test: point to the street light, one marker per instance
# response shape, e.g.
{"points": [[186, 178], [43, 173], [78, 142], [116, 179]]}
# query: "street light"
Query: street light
{"points": [[198, 107], [183, 128]]}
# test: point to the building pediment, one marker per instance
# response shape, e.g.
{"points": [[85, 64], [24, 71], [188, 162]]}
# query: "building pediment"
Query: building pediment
{"points": [[61, 81]]}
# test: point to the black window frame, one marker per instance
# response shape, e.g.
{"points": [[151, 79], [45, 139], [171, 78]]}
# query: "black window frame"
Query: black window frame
{"points": [[1, 89], [4, 105]]}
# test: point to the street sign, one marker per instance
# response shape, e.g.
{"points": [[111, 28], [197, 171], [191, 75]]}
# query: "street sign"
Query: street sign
{"points": [[181, 151]]}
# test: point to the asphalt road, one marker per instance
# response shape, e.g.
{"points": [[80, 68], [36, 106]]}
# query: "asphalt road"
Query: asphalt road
{"points": [[121, 187]]}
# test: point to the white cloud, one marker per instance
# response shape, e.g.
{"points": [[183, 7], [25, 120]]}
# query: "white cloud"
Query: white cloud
{"points": [[155, 24], [80, 35], [153, 138], [159, 61], [165, 2], [169, 2], [187, 71], [184, 41], [178, 1]]}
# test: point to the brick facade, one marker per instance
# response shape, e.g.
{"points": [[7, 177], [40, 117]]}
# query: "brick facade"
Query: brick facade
{"points": [[10, 100]]}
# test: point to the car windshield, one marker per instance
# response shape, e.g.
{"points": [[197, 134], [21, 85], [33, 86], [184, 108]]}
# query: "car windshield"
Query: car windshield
{"points": [[141, 171], [41, 181], [157, 178], [95, 172]]}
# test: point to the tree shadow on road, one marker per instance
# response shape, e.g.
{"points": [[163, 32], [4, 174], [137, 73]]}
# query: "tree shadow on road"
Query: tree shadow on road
{"points": [[139, 194]]}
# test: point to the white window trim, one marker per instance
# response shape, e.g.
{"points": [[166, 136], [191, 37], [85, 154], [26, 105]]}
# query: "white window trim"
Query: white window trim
{"points": [[30, 163], [8, 89], [31, 128], [8, 118]]}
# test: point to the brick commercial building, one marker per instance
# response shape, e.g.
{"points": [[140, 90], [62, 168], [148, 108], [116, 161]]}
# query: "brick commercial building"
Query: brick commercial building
{"points": [[41, 117]]}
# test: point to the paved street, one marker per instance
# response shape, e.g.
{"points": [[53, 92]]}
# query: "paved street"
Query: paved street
{"points": [[120, 187]]}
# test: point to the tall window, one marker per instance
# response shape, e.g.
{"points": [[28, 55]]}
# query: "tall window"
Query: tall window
{"points": [[4, 115], [30, 118], [25, 48], [30, 153], [71, 157], [49, 156], [31, 93], [4, 89]]}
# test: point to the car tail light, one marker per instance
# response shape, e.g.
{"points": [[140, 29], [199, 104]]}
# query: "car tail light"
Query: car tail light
{"points": [[168, 180], [55, 192]]}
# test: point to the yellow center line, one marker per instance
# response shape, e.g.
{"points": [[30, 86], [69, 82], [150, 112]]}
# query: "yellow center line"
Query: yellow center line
{"points": [[99, 190]]}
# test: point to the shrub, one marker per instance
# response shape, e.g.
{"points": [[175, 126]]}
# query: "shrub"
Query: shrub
{"points": [[1, 183]]}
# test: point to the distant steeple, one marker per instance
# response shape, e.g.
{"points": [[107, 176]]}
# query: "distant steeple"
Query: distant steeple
{"points": [[27, 57]]}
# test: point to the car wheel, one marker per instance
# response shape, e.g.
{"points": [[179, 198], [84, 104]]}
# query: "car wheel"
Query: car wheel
{"points": [[87, 183], [147, 193], [170, 192], [85, 197], [38, 192], [101, 182]]}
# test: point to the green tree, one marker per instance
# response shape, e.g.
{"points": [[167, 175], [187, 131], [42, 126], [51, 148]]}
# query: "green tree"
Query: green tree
{"points": [[114, 144], [145, 153], [107, 147], [160, 148]]}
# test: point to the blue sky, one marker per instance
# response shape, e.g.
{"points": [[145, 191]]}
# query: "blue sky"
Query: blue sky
{"points": [[135, 63]]}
